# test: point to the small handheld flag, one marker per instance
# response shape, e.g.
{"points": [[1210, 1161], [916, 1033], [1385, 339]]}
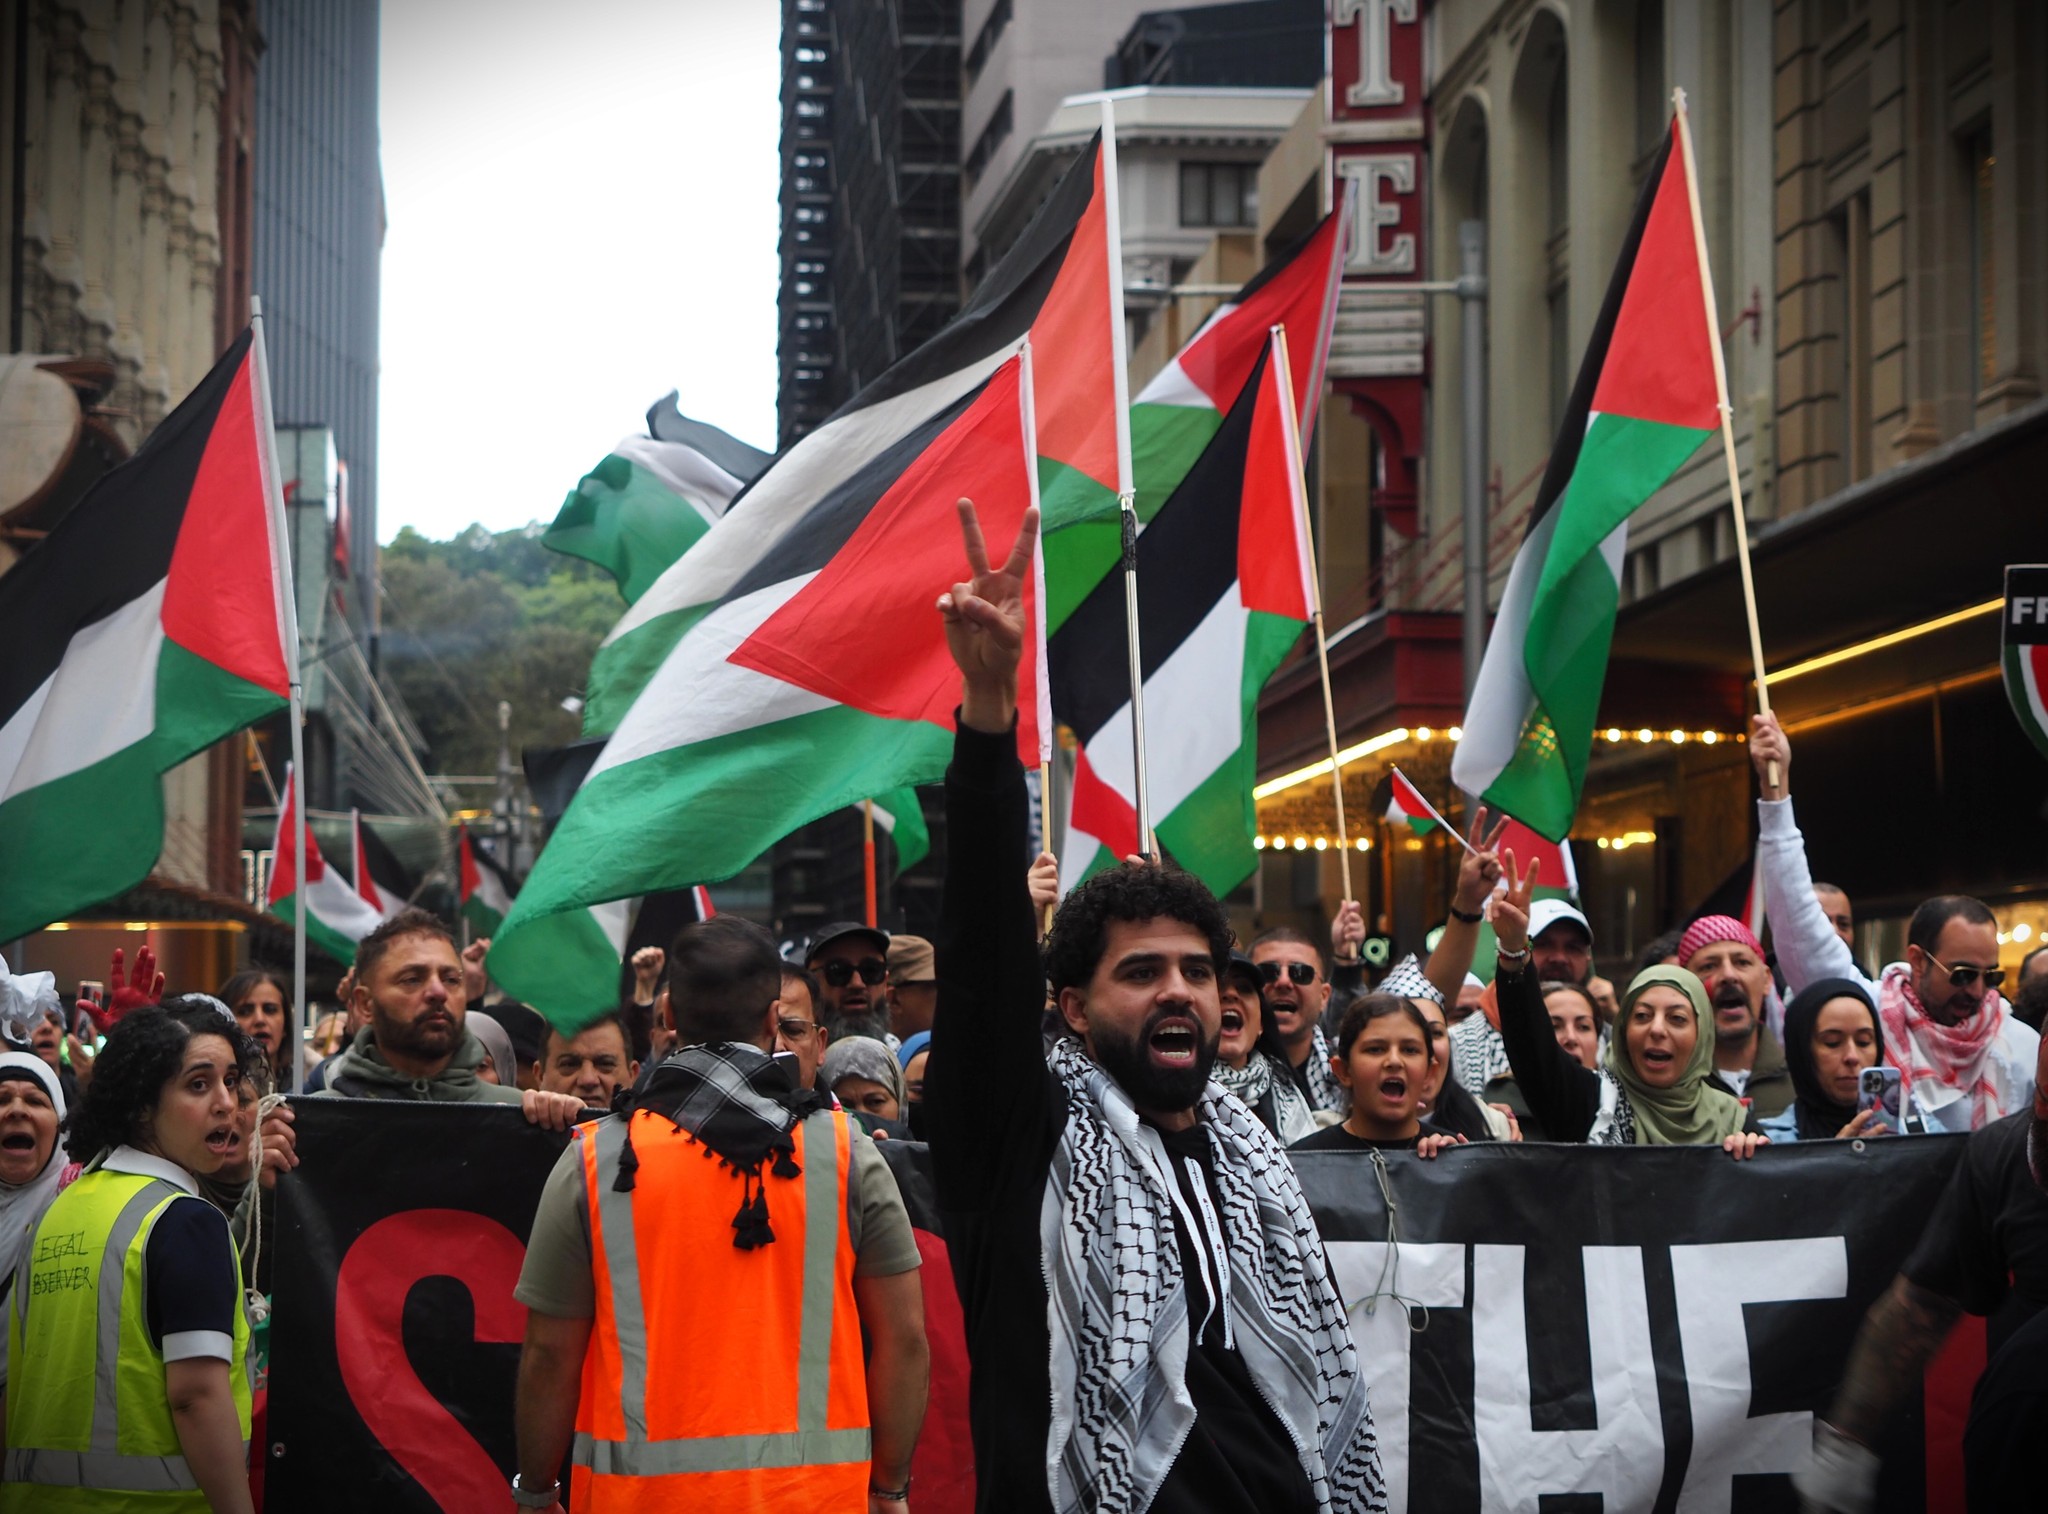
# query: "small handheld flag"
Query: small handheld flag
{"points": [[1408, 807]]}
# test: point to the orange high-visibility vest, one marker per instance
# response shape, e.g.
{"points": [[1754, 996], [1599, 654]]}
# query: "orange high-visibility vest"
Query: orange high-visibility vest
{"points": [[718, 1378]]}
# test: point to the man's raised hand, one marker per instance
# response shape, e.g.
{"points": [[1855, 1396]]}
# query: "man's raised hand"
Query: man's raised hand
{"points": [[984, 618], [1771, 755]]}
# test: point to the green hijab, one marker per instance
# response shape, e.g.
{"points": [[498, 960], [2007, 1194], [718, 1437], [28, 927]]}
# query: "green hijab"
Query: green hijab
{"points": [[1688, 1113]]}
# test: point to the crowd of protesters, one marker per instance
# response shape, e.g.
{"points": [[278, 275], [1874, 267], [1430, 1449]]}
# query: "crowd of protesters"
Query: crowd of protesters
{"points": [[1147, 1306]]}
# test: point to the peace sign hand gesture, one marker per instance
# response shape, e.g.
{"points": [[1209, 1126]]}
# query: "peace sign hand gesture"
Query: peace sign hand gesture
{"points": [[1479, 871], [1511, 909], [984, 619]]}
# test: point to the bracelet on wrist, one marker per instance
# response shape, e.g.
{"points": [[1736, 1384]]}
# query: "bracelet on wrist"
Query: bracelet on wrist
{"points": [[1515, 959], [1472, 919], [898, 1495], [535, 1498]]}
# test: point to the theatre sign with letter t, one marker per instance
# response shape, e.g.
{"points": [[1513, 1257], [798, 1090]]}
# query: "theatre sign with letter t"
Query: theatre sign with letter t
{"points": [[2026, 650]]}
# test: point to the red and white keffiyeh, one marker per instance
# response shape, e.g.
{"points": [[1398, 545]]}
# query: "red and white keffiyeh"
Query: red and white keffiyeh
{"points": [[1959, 1058]]}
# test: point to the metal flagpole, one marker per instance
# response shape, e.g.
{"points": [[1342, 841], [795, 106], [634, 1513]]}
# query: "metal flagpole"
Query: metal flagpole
{"points": [[288, 621], [1126, 490], [1699, 240], [1297, 482]]}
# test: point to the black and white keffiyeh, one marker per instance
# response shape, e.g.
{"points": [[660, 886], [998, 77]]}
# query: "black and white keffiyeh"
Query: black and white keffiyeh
{"points": [[1478, 1054], [1259, 1080], [1407, 980], [1324, 1091], [1117, 1305], [737, 1102]]}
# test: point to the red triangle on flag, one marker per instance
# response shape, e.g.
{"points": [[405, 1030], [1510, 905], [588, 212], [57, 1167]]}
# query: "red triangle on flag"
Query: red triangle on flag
{"points": [[1660, 360], [1071, 339], [221, 596], [284, 848], [863, 632], [1220, 357], [1557, 871], [1273, 572]]}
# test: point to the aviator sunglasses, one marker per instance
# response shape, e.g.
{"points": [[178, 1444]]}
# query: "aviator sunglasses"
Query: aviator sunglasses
{"points": [[839, 974], [1964, 975], [1299, 973]]}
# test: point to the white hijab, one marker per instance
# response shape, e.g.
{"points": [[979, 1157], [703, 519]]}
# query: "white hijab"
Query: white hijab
{"points": [[22, 1206]]}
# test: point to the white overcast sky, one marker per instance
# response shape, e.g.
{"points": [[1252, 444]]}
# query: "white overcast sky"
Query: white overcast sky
{"points": [[582, 217]]}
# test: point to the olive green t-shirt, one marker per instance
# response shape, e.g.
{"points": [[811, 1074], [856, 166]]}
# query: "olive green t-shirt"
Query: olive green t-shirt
{"points": [[557, 1278]]}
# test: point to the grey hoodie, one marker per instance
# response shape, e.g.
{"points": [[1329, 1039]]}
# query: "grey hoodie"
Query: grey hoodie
{"points": [[362, 1073]]}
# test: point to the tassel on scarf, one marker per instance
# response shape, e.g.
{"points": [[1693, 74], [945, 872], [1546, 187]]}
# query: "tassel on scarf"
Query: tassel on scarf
{"points": [[750, 1223], [629, 1160]]}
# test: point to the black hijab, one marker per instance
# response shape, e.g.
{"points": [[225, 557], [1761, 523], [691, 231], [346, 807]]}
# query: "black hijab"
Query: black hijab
{"points": [[1818, 1116]]}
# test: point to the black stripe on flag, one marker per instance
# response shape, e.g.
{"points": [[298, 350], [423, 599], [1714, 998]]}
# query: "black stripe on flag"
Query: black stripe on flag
{"points": [[1187, 561], [114, 546], [1571, 432], [667, 423]]}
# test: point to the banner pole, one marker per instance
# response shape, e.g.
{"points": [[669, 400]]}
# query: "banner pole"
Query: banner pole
{"points": [[1045, 830], [867, 856], [1126, 490], [1699, 241], [1297, 483], [288, 623]]}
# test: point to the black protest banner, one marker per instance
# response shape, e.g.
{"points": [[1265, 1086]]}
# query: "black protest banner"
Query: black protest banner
{"points": [[1573, 1327], [394, 1336]]}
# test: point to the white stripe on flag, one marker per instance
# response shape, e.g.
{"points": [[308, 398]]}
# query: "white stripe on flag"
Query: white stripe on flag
{"points": [[100, 700]]}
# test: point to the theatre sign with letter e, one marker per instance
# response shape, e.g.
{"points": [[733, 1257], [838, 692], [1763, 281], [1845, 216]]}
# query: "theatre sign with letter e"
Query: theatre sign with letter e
{"points": [[2026, 650]]}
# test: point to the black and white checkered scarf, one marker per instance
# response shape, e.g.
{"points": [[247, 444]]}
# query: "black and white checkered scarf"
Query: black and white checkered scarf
{"points": [[1117, 1304], [737, 1102]]}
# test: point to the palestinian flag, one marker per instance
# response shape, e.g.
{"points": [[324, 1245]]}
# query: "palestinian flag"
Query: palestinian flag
{"points": [[1646, 398], [649, 501], [385, 901], [820, 678], [1175, 415], [1052, 286], [486, 888], [147, 626], [1558, 877], [899, 813], [337, 917], [2026, 650], [1223, 592], [1406, 806]]}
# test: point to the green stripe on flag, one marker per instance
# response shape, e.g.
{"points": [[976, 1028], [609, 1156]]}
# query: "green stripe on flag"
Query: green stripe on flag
{"points": [[626, 520], [564, 965], [79, 840], [714, 806], [621, 668], [318, 933], [1622, 462]]}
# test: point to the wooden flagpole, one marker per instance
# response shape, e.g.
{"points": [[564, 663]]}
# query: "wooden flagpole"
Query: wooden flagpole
{"points": [[1713, 315], [1297, 481], [867, 856]]}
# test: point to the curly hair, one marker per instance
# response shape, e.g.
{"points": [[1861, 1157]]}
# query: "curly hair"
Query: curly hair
{"points": [[143, 1052], [1080, 931], [1365, 1009]]}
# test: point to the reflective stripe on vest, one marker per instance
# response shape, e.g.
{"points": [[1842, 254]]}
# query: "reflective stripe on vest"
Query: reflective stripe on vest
{"points": [[103, 1466], [811, 1443]]}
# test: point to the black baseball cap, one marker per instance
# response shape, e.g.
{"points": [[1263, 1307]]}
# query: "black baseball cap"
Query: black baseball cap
{"points": [[825, 937]]}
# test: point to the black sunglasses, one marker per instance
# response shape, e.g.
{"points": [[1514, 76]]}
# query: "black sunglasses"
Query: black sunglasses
{"points": [[1301, 973], [839, 974], [1963, 976]]}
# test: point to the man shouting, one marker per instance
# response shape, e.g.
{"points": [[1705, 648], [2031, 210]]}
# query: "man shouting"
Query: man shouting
{"points": [[1148, 1310]]}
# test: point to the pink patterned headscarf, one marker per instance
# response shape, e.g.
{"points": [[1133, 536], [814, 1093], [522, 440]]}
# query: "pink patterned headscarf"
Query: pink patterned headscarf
{"points": [[1709, 929]]}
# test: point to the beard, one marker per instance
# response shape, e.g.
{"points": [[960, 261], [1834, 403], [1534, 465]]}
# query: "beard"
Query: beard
{"points": [[1731, 995], [1150, 1086], [422, 1037], [872, 1022]]}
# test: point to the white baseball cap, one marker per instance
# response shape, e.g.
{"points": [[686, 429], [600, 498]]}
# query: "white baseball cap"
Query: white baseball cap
{"points": [[1545, 913]]}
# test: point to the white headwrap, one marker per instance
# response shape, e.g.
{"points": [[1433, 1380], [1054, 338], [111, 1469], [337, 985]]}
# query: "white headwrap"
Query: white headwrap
{"points": [[21, 1206]]}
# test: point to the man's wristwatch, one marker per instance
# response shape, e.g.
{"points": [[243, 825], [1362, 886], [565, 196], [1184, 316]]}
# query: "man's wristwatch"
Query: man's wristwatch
{"points": [[897, 1495], [535, 1498]]}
